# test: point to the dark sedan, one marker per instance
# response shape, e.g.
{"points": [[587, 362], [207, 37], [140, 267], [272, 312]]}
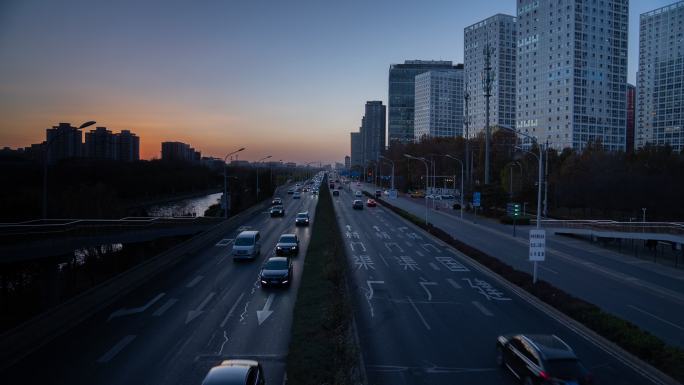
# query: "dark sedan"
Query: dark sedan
{"points": [[277, 211], [302, 219], [541, 359], [235, 372], [277, 271], [287, 244], [357, 204]]}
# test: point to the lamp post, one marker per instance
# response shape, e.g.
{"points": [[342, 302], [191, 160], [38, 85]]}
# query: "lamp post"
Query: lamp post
{"points": [[392, 162], [510, 189], [257, 172], [427, 177], [226, 203], [45, 163], [461, 163]]}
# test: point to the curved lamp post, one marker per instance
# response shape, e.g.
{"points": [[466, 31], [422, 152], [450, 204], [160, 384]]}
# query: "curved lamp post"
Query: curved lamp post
{"points": [[226, 207], [257, 172], [427, 177]]}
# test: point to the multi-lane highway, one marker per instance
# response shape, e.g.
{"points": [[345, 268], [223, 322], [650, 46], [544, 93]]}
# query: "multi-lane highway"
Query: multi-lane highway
{"points": [[426, 315], [172, 330], [649, 295]]}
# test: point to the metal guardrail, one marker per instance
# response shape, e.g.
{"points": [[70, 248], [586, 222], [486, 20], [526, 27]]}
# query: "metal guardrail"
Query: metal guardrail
{"points": [[671, 228]]}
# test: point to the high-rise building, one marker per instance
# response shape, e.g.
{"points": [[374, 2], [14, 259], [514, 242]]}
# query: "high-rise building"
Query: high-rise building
{"points": [[129, 146], [177, 151], [64, 141], [572, 72], [356, 149], [400, 99], [631, 104], [498, 34], [660, 79], [373, 130], [101, 143], [347, 162], [439, 103]]}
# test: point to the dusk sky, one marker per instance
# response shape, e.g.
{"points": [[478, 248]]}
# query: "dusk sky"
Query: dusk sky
{"points": [[282, 78]]}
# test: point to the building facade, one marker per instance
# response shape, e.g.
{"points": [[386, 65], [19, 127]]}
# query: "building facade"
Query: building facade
{"points": [[572, 72], [129, 146], [64, 141], [178, 151], [101, 143], [373, 130], [660, 79], [347, 162], [439, 103], [498, 35], [356, 149], [401, 94], [631, 118]]}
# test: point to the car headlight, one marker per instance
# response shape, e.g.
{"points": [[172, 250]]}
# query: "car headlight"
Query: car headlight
{"points": [[285, 281], [279, 248], [263, 281]]}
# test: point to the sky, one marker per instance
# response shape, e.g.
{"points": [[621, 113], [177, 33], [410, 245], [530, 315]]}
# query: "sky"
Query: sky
{"points": [[282, 78]]}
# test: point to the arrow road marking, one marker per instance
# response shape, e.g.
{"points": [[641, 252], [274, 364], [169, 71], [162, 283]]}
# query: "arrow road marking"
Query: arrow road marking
{"points": [[425, 285], [123, 312], [192, 314], [265, 312]]}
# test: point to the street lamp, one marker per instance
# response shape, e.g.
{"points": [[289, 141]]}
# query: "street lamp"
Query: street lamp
{"points": [[257, 172], [510, 188], [226, 202], [45, 163], [461, 163], [427, 177], [392, 162]]}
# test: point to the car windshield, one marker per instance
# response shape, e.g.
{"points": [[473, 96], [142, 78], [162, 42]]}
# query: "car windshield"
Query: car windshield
{"points": [[564, 369], [243, 241], [277, 264], [302, 216], [288, 239]]}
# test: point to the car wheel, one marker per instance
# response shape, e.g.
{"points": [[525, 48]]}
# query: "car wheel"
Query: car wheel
{"points": [[528, 381], [499, 356]]}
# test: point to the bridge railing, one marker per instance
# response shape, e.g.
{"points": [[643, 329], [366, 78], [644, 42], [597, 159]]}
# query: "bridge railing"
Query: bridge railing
{"points": [[674, 228]]}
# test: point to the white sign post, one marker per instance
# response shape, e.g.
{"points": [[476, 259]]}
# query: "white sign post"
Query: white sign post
{"points": [[537, 249], [393, 194]]}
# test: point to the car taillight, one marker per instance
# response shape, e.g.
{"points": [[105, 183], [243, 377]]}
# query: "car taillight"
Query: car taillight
{"points": [[544, 376]]}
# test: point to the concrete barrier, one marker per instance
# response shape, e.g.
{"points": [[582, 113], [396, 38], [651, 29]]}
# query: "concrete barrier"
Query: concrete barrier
{"points": [[17, 343]]}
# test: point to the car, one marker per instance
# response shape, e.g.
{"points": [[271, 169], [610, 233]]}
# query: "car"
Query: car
{"points": [[235, 372], [336, 193], [277, 271], [290, 191], [357, 204], [448, 197], [247, 245], [302, 219], [276, 201], [378, 193], [297, 195], [277, 211], [371, 203], [358, 193], [540, 359], [287, 244]]}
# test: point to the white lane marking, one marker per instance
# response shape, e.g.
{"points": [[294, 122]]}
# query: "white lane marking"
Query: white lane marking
{"points": [[419, 253], [116, 349], [425, 285], [194, 281], [170, 302], [225, 339], [376, 228], [363, 261], [266, 312], [435, 267], [243, 228], [355, 235], [429, 246], [426, 369], [407, 263], [192, 314], [348, 227], [414, 236], [389, 245], [402, 229], [140, 309], [369, 295], [454, 283], [363, 248], [418, 312], [487, 290], [383, 259], [482, 309], [656, 317], [224, 242], [451, 264], [547, 269], [232, 309], [409, 244], [385, 235], [244, 313]]}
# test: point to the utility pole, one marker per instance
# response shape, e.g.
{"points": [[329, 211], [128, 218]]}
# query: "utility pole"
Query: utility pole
{"points": [[487, 88], [546, 179], [466, 96]]}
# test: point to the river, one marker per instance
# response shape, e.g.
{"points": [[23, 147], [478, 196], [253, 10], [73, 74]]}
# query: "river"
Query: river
{"points": [[186, 207]]}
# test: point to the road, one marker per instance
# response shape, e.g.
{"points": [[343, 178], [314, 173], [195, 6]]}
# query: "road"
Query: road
{"points": [[188, 319], [425, 315], [647, 294]]}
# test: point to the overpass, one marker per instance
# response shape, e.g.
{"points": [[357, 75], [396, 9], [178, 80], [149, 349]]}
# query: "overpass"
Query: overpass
{"points": [[670, 232]]}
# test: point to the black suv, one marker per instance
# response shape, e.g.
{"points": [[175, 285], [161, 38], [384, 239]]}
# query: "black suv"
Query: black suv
{"points": [[540, 359]]}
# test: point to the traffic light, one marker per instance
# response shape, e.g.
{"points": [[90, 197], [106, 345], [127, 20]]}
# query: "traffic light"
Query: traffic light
{"points": [[513, 210]]}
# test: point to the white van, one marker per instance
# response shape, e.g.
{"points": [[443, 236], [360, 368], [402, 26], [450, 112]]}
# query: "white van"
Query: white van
{"points": [[247, 245]]}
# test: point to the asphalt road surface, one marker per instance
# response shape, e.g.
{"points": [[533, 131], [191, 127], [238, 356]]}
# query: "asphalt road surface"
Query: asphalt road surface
{"points": [[647, 294], [171, 331], [425, 315]]}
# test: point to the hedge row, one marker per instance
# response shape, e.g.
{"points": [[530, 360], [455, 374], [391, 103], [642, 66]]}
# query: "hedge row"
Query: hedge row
{"points": [[647, 347], [322, 349]]}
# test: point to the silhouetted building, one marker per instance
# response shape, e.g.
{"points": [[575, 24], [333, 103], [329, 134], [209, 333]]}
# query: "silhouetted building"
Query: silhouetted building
{"points": [[129, 146], [347, 162], [178, 151], [291, 164], [64, 141], [356, 149], [101, 143], [373, 131], [629, 135]]}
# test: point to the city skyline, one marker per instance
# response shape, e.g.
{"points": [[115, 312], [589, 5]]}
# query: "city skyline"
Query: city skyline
{"points": [[207, 75]]}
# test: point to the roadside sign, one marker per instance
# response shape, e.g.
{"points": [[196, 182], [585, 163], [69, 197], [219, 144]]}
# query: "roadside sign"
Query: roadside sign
{"points": [[393, 194], [537, 245], [513, 210], [476, 199]]}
